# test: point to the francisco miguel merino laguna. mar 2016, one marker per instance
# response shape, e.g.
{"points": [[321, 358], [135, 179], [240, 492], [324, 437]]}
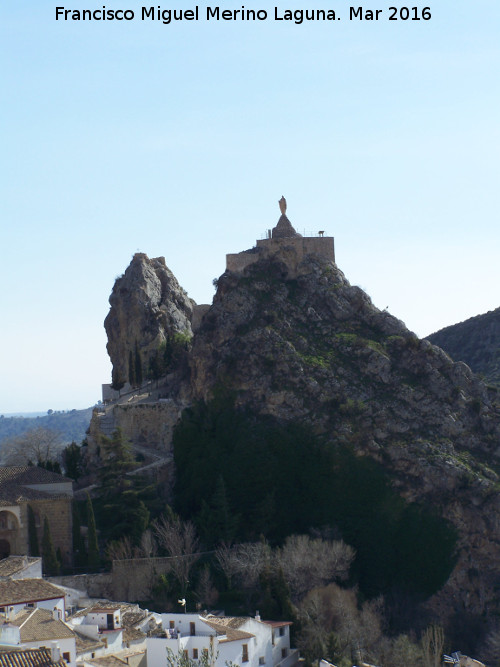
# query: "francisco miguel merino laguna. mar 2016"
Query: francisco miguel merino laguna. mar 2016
{"points": [[167, 16]]}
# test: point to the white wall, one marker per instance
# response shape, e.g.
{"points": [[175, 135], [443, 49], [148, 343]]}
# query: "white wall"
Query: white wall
{"points": [[65, 645]]}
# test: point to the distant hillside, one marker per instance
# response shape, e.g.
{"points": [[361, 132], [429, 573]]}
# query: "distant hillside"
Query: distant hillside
{"points": [[71, 425], [476, 342]]}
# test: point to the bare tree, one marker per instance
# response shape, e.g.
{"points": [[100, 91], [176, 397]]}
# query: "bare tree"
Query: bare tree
{"points": [[180, 541], [334, 627], [206, 592], [226, 561], [39, 445], [308, 563], [244, 562], [122, 549], [432, 645]]}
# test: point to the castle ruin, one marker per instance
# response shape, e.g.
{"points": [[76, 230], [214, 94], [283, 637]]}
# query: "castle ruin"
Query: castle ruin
{"points": [[284, 241]]}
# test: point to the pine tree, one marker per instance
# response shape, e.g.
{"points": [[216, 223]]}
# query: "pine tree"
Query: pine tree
{"points": [[32, 534], [93, 546], [50, 563]]}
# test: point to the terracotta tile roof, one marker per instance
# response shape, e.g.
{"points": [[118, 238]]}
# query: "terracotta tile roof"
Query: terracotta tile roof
{"points": [[229, 621], [278, 624], [102, 606], [38, 657], [107, 661], [39, 625], [12, 494], [133, 634], [14, 564], [30, 475], [231, 634], [85, 644], [132, 618], [17, 591], [15, 482]]}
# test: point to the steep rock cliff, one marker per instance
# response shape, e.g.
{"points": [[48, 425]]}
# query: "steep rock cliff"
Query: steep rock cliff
{"points": [[306, 346], [147, 306], [313, 348]]}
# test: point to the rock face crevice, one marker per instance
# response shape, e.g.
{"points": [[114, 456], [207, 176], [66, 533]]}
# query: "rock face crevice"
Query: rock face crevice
{"points": [[298, 342]]}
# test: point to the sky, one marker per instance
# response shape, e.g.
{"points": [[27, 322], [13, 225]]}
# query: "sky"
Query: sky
{"points": [[178, 140]]}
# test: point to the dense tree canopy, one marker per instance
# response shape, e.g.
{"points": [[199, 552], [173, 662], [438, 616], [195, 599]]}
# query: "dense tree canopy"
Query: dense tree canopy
{"points": [[278, 480]]}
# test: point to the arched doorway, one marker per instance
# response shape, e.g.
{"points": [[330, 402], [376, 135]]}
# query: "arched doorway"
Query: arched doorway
{"points": [[4, 549], [9, 534]]}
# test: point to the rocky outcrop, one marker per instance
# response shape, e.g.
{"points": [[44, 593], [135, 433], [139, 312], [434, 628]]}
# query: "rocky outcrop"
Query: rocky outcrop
{"points": [[147, 307], [308, 346], [476, 342], [298, 342]]}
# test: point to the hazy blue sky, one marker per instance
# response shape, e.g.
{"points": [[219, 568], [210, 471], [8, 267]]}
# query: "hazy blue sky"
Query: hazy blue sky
{"points": [[178, 140]]}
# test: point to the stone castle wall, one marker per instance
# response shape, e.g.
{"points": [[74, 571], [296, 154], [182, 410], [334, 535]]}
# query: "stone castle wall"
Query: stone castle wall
{"points": [[59, 515], [290, 250], [149, 425]]}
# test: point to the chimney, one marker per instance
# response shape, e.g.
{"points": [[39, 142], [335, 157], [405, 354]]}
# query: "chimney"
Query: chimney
{"points": [[55, 652], [257, 615], [56, 614]]}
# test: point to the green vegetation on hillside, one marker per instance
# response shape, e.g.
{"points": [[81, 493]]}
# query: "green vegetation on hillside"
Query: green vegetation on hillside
{"points": [[476, 342]]}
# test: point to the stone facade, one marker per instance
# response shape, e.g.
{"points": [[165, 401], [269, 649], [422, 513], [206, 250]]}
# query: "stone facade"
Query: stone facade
{"points": [[49, 495], [284, 241]]}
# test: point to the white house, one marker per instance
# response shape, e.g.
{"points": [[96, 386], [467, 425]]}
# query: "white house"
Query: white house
{"points": [[15, 595], [39, 628], [111, 628], [103, 624], [224, 640]]}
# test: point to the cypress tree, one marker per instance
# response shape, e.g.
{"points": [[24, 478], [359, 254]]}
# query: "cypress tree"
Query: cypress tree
{"points": [[50, 563], [32, 534], [93, 553], [78, 543], [138, 365], [131, 369]]}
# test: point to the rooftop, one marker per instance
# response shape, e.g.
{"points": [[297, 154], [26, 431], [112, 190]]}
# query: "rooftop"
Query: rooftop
{"points": [[18, 591], [38, 657], [15, 483], [39, 625], [14, 564], [232, 633]]}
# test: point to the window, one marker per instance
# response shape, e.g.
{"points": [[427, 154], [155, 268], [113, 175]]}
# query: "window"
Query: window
{"points": [[30, 604], [262, 660], [195, 654], [172, 625], [282, 632], [245, 653], [186, 654], [192, 629], [284, 652], [66, 657], [273, 637]]}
